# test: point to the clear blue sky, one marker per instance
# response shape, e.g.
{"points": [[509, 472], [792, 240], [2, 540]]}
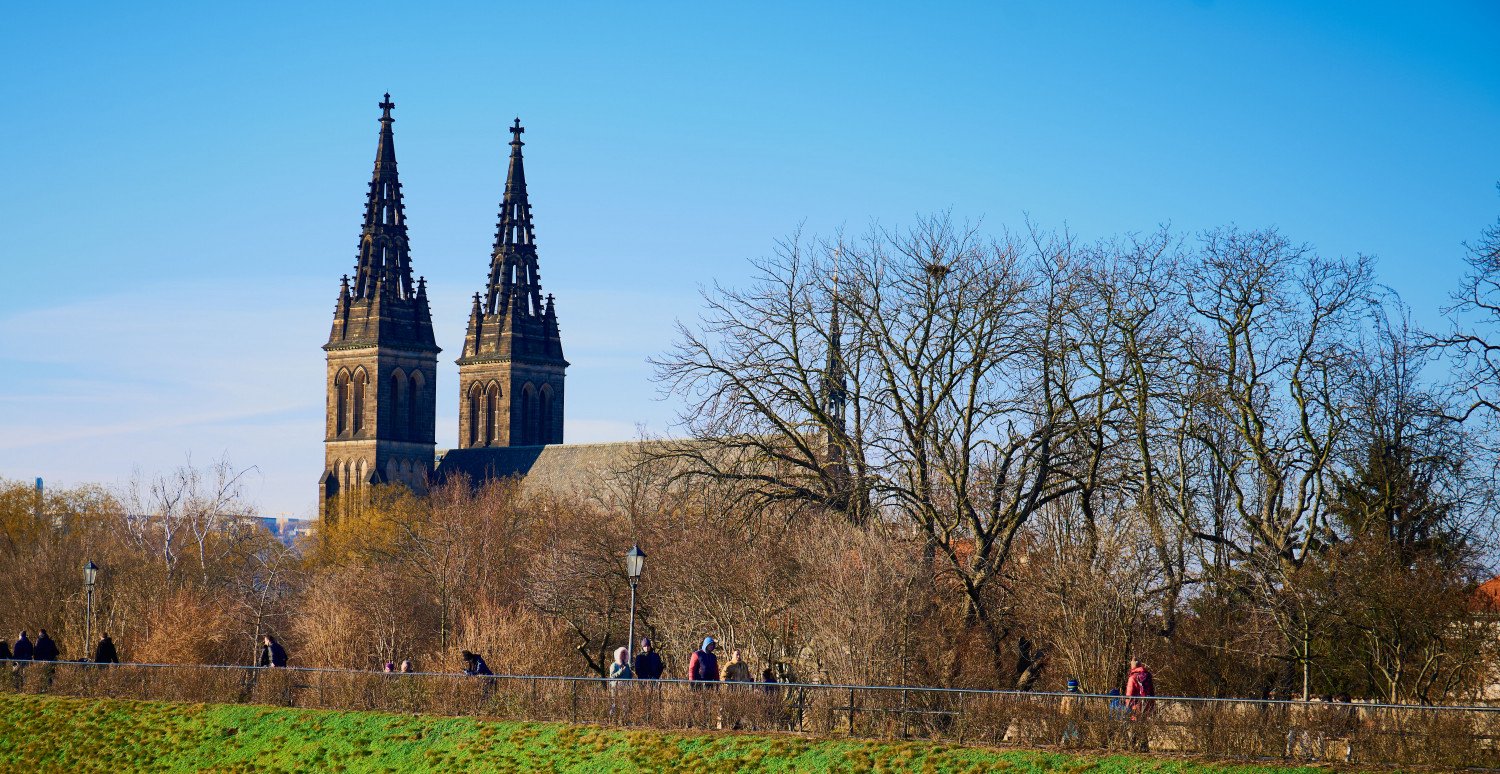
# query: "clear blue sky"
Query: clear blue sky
{"points": [[181, 187]]}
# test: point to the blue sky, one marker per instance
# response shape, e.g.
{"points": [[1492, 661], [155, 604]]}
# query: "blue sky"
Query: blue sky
{"points": [[183, 184]]}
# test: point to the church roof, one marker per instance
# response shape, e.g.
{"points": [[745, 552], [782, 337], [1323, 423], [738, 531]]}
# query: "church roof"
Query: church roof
{"points": [[575, 468]]}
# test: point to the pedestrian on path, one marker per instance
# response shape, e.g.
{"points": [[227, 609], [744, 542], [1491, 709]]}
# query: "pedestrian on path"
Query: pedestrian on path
{"points": [[105, 653], [704, 665], [736, 671], [271, 652], [46, 649], [620, 670], [648, 664]]}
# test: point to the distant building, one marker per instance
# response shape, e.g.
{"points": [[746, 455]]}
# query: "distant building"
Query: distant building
{"points": [[285, 528]]}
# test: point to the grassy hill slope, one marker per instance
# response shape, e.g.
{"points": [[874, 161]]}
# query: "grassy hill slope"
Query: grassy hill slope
{"points": [[41, 733]]}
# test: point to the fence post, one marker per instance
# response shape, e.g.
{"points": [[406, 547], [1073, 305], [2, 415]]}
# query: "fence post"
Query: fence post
{"points": [[851, 711], [962, 718], [574, 683]]}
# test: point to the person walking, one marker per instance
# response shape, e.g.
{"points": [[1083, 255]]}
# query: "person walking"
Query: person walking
{"points": [[22, 649], [474, 664], [1139, 688], [406, 667], [4, 651], [104, 652], [736, 671], [620, 670], [390, 667], [704, 665], [648, 664], [46, 649], [1069, 708], [271, 652]]}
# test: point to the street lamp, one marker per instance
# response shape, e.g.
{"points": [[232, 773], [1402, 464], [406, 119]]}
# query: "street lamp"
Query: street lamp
{"points": [[635, 561], [90, 574]]}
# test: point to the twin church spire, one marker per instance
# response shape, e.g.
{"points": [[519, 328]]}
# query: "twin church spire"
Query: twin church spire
{"points": [[382, 355]]}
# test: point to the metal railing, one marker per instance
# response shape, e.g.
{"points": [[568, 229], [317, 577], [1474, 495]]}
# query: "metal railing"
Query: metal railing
{"points": [[1446, 736]]}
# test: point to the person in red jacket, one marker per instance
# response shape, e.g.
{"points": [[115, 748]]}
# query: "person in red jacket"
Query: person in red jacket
{"points": [[1138, 689], [704, 665]]}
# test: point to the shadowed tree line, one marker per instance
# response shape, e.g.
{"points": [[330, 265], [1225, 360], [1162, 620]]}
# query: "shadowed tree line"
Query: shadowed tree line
{"points": [[924, 456]]}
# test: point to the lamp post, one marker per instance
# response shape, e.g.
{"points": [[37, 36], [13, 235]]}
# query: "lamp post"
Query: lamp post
{"points": [[90, 574], [635, 561]]}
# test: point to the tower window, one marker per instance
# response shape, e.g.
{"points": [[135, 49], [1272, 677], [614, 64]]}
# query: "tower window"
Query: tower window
{"points": [[341, 403], [414, 426], [357, 415], [491, 410]]}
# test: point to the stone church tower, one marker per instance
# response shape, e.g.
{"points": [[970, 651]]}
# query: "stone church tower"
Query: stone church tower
{"points": [[510, 376], [382, 357]]}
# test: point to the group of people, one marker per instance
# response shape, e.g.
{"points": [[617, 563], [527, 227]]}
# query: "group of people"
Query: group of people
{"points": [[1135, 704], [703, 665], [45, 649]]}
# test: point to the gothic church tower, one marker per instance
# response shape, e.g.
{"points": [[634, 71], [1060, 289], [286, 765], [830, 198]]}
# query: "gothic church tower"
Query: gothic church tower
{"points": [[511, 372], [382, 357]]}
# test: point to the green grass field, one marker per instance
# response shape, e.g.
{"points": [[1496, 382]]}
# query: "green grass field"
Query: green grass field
{"points": [[40, 733]]}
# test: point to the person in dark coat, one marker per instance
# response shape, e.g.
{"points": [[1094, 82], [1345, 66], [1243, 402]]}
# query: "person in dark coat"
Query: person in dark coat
{"points": [[647, 662], [474, 664], [46, 649], [4, 651], [105, 653], [704, 665], [22, 649], [271, 652]]}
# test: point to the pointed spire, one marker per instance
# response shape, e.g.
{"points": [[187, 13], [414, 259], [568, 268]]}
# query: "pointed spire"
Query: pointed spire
{"points": [[384, 265], [515, 282], [835, 383]]}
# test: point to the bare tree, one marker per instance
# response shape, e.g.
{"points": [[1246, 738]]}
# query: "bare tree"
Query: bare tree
{"points": [[1474, 338]]}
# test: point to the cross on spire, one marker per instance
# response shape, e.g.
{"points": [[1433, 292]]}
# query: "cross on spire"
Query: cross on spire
{"points": [[516, 130], [385, 106]]}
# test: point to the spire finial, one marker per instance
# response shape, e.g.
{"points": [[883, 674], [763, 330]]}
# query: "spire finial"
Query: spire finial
{"points": [[385, 108], [516, 130]]}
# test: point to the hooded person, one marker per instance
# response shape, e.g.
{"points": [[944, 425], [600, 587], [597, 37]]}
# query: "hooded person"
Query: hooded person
{"points": [[647, 662], [704, 665], [105, 653], [46, 649], [21, 651], [620, 670]]}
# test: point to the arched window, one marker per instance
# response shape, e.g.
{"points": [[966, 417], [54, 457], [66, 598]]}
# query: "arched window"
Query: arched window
{"points": [[545, 413], [341, 403], [491, 409], [357, 415], [415, 425], [526, 416], [397, 413], [474, 411]]}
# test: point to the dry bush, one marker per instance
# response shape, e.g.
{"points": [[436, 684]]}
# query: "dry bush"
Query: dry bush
{"points": [[192, 627], [862, 596], [514, 639], [362, 617]]}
